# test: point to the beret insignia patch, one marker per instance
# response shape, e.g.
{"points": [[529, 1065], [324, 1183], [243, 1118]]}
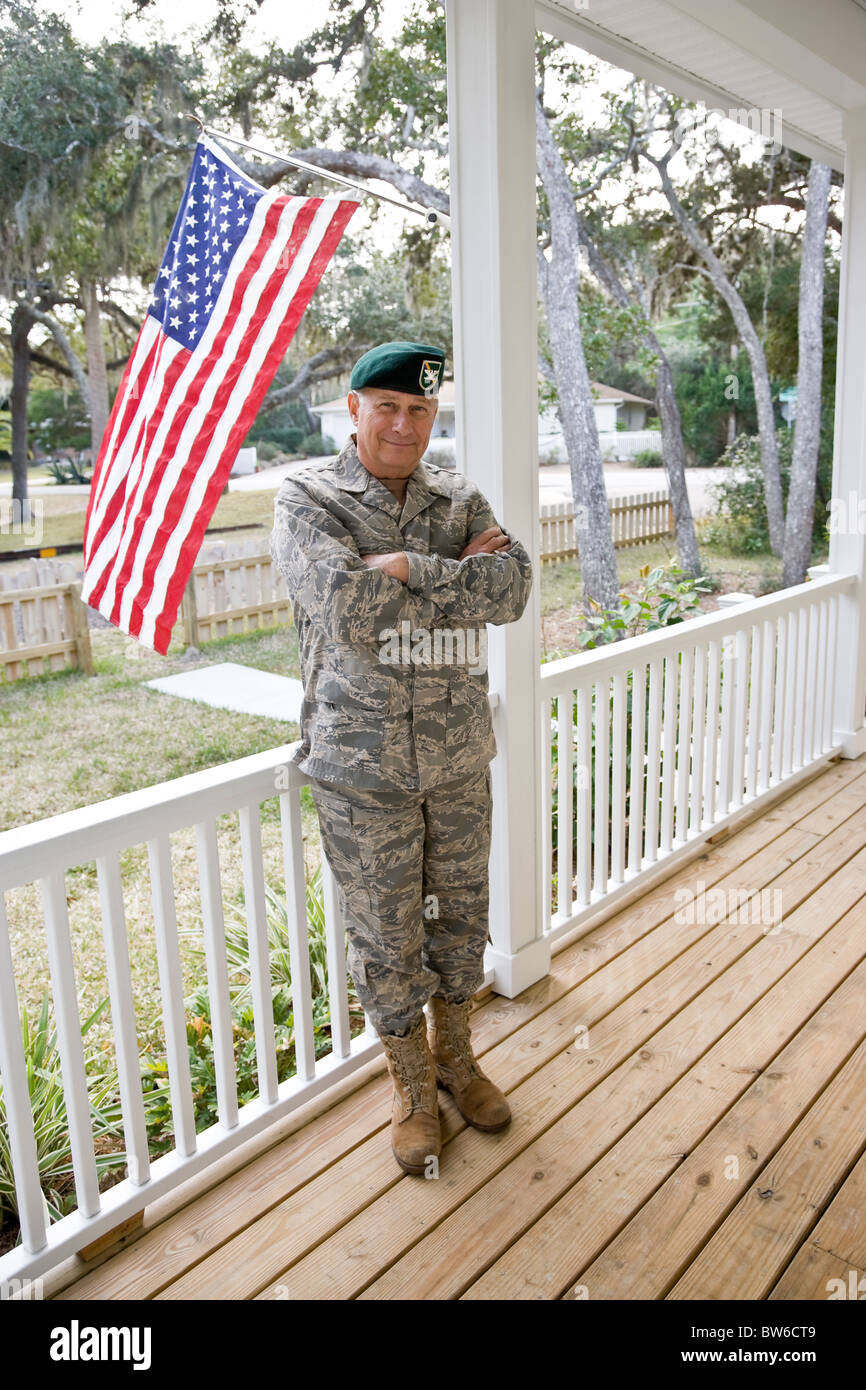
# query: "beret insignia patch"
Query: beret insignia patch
{"points": [[429, 377]]}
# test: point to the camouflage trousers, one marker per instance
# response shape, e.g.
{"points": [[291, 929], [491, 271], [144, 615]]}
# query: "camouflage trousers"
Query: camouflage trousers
{"points": [[412, 878]]}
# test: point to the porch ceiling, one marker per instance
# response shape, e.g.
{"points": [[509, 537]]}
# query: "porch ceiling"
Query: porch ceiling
{"points": [[809, 61]]}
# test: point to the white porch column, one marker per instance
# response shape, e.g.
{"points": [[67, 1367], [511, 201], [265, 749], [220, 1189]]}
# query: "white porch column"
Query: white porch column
{"points": [[847, 539], [491, 118]]}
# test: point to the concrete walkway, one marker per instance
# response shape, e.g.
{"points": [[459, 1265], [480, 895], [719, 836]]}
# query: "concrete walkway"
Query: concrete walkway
{"points": [[230, 685]]}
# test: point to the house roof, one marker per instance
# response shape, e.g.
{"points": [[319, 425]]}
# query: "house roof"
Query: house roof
{"points": [[613, 393], [805, 61]]}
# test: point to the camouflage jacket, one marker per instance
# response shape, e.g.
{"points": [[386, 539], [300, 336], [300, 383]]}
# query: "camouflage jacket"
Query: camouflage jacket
{"points": [[395, 675]]}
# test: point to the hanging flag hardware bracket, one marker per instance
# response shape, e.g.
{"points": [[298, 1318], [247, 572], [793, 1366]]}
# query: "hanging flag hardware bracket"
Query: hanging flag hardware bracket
{"points": [[431, 216]]}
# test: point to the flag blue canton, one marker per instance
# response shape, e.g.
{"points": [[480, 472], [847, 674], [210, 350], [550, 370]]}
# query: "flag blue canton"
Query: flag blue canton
{"points": [[212, 220]]}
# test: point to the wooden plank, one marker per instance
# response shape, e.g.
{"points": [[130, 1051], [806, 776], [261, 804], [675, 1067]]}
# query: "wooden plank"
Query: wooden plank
{"points": [[80, 630], [39, 652], [825, 1276], [597, 1161], [10, 666], [338, 1196], [120, 1233], [835, 1248], [751, 1248], [714, 1160], [189, 613], [33, 591]]}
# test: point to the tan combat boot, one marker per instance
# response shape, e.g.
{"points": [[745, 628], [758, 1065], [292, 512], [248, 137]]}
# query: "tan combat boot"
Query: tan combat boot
{"points": [[415, 1135], [480, 1102]]}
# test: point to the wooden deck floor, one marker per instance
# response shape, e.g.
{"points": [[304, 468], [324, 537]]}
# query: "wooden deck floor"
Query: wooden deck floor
{"points": [[689, 1107]]}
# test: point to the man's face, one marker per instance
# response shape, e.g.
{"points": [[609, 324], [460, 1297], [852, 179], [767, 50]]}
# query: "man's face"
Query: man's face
{"points": [[392, 428]]}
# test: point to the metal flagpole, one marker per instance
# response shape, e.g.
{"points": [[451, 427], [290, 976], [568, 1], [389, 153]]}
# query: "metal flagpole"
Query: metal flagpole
{"points": [[430, 215]]}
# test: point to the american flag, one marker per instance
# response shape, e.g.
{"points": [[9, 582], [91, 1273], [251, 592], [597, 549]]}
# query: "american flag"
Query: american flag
{"points": [[238, 273]]}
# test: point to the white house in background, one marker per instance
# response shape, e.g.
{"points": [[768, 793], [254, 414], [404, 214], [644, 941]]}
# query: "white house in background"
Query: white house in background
{"points": [[613, 409], [621, 419]]}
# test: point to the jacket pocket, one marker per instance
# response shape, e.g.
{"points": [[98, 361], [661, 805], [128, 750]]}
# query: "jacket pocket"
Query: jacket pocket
{"points": [[469, 724], [349, 719]]}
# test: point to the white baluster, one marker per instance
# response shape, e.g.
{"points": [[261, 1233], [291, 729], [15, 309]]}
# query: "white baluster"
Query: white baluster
{"points": [[255, 908], [217, 973], [171, 992], [123, 1017]]}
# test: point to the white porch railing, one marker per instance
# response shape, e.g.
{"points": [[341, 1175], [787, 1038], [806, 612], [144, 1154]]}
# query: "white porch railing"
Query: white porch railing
{"points": [[42, 852], [664, 737]]}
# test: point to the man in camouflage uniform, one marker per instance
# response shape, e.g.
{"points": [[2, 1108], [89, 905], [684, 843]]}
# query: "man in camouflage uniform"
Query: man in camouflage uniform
{"points": [[394, 566]]}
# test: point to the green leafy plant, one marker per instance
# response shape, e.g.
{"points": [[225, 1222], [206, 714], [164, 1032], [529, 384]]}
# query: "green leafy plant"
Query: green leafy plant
{"points": [[69, 470], [50, 1124], [667, 595], [647, 458]]}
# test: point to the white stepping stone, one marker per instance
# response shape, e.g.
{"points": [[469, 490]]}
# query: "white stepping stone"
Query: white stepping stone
{"points": [[229, 685]]}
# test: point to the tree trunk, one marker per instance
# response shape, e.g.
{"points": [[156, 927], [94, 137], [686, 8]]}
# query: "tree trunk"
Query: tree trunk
{"points": [[751, 342], [22, 322], [807, 425], [97, 376], [559, 287], [673, 449], [314, 423], [674, 458], [75, 367]]}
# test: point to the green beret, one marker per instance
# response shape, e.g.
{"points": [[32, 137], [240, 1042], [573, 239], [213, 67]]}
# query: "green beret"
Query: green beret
{"points": [[415, 368]]}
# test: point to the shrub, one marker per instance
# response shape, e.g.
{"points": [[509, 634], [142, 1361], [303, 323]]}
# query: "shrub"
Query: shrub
{"points": [[666, 596], [647, 458], [313, 445], [69, 470], [739, 517]]}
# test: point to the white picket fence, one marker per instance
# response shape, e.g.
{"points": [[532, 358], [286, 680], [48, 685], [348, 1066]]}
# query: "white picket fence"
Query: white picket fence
{"points": [[624, 444]]}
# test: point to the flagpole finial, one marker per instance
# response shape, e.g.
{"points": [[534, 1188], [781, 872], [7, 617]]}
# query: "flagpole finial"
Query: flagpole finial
{"points": [[191, 116]]}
